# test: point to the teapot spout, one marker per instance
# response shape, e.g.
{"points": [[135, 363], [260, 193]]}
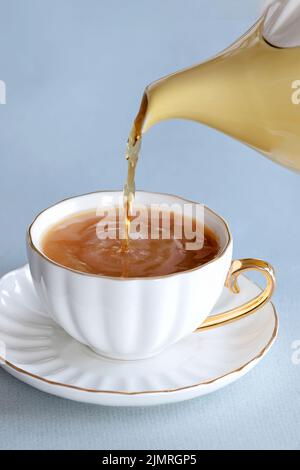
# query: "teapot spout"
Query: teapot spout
{"points": [[197, 94], [214, 93], [251, 92]]}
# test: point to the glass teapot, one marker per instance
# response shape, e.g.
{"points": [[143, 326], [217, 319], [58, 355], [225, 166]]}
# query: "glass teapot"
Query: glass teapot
{"points": [[250, 91]]}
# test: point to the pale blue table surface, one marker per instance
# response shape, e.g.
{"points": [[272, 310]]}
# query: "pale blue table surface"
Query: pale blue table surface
{"points": [[75, 71]]}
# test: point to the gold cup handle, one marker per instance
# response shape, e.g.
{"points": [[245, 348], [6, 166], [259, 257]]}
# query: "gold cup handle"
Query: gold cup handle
{"points": [[236, 268]]}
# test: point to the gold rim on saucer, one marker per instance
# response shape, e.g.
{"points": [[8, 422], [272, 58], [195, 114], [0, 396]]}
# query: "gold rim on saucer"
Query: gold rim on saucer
{"points": [[144, 392]]}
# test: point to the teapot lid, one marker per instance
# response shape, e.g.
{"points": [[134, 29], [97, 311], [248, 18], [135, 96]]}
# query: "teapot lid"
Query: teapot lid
{"points": [[282, 23]]}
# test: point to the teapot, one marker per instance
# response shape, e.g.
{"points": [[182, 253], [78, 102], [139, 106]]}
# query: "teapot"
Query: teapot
{"points": [[250, 91]]}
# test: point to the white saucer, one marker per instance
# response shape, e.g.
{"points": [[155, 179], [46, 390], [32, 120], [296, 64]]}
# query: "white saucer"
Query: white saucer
{"points": [[40, 353]]}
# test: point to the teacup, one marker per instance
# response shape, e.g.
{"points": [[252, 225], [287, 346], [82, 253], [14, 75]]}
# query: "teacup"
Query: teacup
{"points": [[136, 318]]}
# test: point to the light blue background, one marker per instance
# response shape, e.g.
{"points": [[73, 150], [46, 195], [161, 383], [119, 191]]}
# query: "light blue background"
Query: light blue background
{"points": [[75, 71]]}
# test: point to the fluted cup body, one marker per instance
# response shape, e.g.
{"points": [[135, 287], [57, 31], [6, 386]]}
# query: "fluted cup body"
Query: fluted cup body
{"points": [[121, 318]]}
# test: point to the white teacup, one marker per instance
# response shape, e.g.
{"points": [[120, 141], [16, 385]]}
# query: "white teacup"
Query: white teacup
{"points": [[137, 318]]}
